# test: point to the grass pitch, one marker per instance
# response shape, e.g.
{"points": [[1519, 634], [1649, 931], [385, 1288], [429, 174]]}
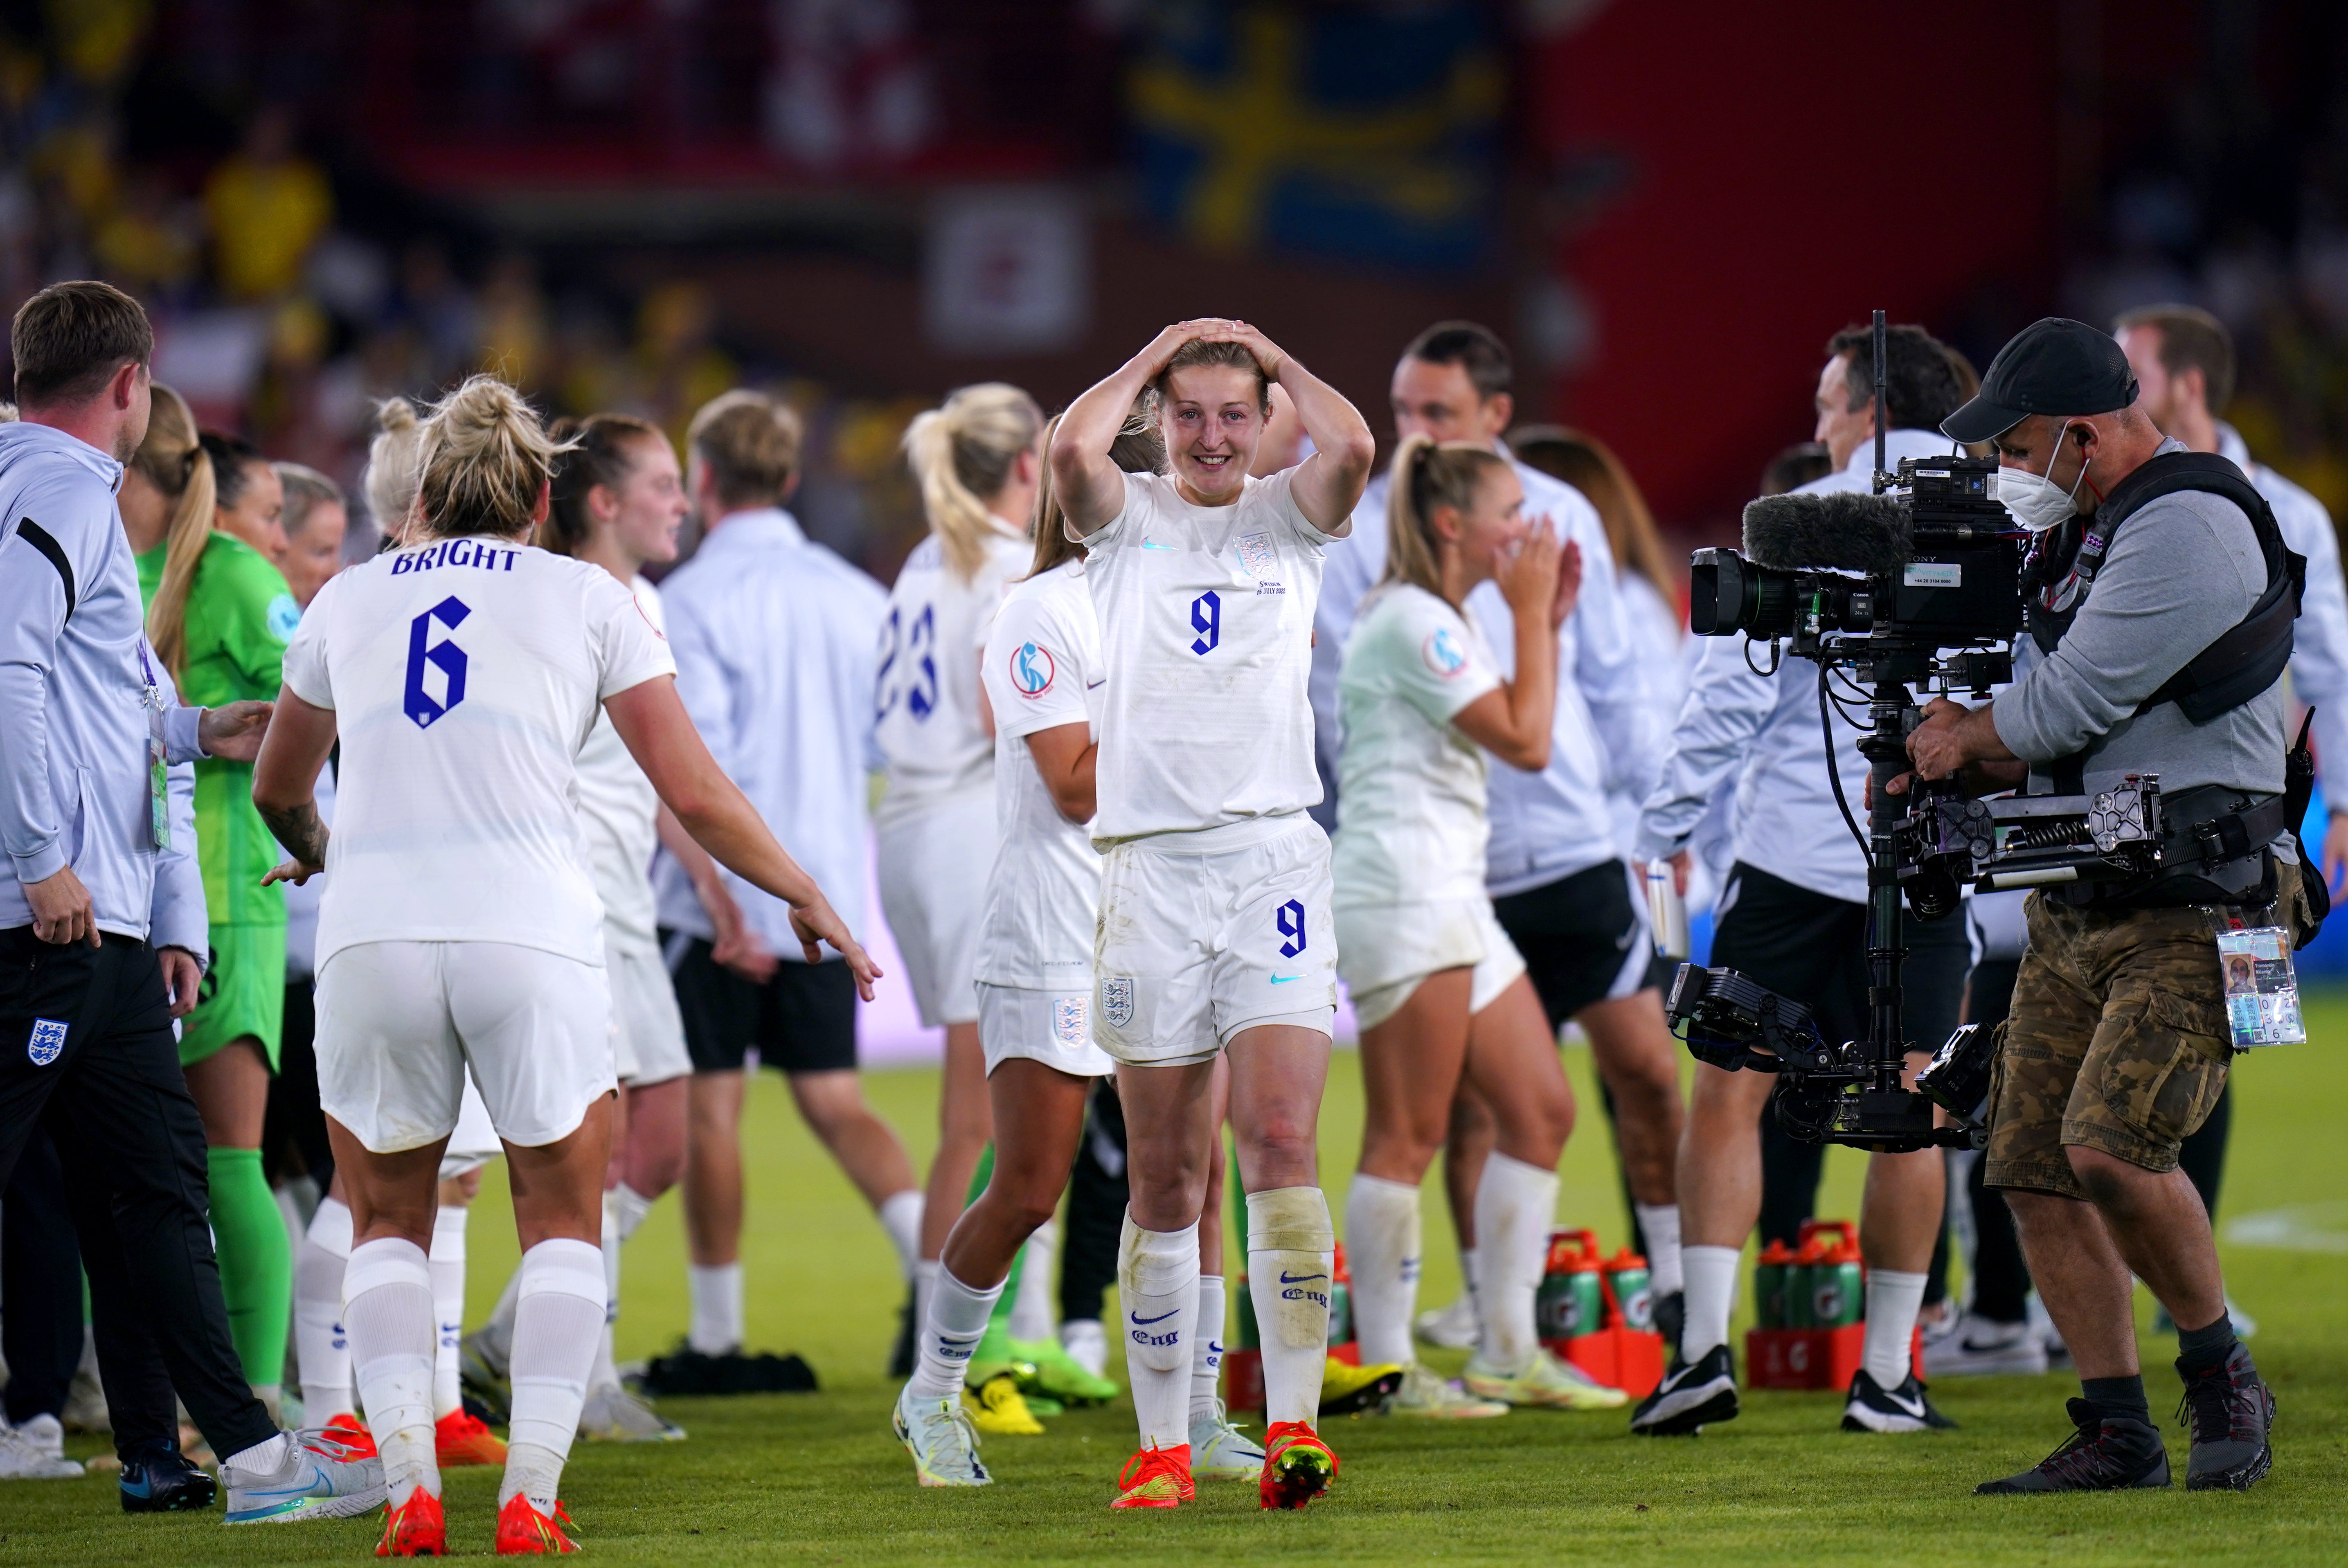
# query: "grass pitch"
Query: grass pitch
{"points": [[817, 1479]]}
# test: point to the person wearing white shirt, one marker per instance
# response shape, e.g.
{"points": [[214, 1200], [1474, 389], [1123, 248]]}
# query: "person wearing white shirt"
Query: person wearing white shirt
{"points": [[976, 459], [1794, 918], [1554, 865], [776, 640], [460, 935], [2184, 363], [1215, 935]]}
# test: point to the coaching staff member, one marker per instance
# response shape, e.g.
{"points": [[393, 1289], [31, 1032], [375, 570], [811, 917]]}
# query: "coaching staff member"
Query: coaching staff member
{"points": [[88, 725], [2160, 601]]}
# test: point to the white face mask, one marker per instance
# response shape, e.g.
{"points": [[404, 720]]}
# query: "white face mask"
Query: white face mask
{"points": [[2037, 503]]}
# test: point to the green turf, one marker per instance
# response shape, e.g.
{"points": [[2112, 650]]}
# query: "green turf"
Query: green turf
{"points": [[817, 1479]]}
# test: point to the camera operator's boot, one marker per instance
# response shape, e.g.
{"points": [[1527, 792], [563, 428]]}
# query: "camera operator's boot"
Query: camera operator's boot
{"points": [[2229, 1410], [2107, 1453], [1872, 1408], [1701, 1392]]}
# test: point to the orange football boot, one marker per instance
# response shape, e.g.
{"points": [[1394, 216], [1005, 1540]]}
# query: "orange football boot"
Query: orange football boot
{"points": [[461, 1437], [1297, 1465], [352, 1433], [523, 1532], [417, 1528], [1156, 1477]]}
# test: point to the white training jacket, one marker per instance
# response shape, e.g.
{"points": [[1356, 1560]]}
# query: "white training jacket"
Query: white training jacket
{"points": [[1760, 734], [2319, 652], [1606, 735], [776, 640]]}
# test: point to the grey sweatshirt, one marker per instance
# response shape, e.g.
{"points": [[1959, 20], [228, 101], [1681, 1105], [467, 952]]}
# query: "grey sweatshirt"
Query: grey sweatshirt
{"points": [[2182, 570]]}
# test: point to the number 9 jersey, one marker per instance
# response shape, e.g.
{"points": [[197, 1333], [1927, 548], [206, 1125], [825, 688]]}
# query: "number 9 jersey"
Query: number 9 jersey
{"points": [[464, 675]]}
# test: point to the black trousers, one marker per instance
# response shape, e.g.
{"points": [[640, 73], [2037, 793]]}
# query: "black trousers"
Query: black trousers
{"points": [[2000, 1279], [1096, 1197], [85, 1050], [294, 1128], [40, 1285], [1813, 949]]}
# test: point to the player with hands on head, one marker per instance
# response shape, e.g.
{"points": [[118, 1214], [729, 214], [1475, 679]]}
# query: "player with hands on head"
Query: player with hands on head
{"points": [[1215, 935], [460, 933], [1439, 989]]}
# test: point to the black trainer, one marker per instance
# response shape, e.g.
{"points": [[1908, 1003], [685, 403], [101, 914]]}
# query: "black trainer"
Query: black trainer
{"points": [[1872, 1408], [2230, 1410], [1698, 1393], [902, 1353], [2107, 1453], [1671, 1316], [158, 1478]]}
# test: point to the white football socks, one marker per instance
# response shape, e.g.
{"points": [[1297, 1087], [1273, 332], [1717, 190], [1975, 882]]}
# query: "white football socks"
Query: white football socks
{"points": [[1292, 1260], [1382, 1248], [387, 1304], [1207, 1347], [957, 1321], [1030, 1308], [1158, 1281], [321, 1350], [624, 1209], [900, 1216], [1515, 1204], [1893, 1300], [448, 1264], [1660, 1222], [556, 1319], [1710, 1282], [716, 1292]]}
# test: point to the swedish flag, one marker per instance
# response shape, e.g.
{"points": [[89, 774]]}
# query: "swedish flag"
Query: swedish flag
{"points": [[1358, 133]]}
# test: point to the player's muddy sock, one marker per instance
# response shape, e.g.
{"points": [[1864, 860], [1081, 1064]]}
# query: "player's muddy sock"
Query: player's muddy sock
{"points": [[1291, 1259], [560, 1312], [1382, 1250], [387, 1293], [1158, 1280], [1515, 1204]]}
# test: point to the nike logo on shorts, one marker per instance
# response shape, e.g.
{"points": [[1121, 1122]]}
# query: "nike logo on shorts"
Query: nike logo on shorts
{"points": [[1285, 979]]}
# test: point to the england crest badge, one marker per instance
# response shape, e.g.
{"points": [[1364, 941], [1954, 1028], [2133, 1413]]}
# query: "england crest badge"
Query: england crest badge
{"points": [[1116, 999], [1068, 1019], [48, 1042]]}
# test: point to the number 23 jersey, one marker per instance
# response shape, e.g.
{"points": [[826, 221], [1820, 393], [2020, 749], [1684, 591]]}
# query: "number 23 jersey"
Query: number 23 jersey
{"points": [[464, 675], [1206, 625]]}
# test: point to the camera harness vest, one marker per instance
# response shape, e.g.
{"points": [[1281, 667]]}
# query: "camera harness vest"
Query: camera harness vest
{"points": [[2243, 662]]}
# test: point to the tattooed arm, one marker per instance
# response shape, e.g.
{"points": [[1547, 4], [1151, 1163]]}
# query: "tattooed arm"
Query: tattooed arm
{"points": [[284, 781]]}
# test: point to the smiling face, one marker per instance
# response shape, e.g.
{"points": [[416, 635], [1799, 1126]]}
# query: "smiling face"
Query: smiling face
{"points": [[1491, 531], [1211, 419], [648, 506]]}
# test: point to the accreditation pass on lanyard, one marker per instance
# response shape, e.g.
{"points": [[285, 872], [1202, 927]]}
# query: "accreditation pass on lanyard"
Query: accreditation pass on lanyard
{"points": [[2261, 991], [158, 774]]}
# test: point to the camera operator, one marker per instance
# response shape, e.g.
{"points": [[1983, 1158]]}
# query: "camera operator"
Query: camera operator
{"points": [[2117, 1043], [1793, 917]]}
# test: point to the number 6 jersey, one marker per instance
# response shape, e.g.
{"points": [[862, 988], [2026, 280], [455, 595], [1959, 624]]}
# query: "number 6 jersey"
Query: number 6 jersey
{"points": [[1206, 626], [464, 675]]}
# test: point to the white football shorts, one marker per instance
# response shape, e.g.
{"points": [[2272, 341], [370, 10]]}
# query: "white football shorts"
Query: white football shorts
{"points": [[647, 1031], [399, 1022], [1054, 1027], [933, 865], [475, 1142], [1205, 935], [1385, 951]]}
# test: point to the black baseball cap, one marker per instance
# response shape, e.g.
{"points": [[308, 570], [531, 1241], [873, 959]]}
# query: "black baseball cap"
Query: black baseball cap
{"points": [[2053, 365]]}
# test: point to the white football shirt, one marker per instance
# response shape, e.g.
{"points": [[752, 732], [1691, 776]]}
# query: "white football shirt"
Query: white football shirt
{"points": [[1206, 625], [618, 807], [1042, 670], [1411, 824], [464, 675], [925, 705]]}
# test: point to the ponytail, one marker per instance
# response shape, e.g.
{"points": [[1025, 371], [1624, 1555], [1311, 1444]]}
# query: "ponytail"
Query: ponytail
{"points": [[962, 453], [1137, 449], [484, 459], [173, 459], [1427, 477], [390, 480]]}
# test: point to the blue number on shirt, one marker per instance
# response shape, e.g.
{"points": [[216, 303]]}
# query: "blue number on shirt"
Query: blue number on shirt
{"points": [[920, 651], [446, 655], [1290, 918], [1207, 620]]}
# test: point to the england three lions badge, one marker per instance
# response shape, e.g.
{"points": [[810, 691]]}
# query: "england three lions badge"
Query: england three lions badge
{"points": [[1116, 1000], [48, 1042]]}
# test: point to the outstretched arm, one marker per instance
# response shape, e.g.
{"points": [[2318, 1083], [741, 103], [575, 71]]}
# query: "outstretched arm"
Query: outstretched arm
{"points": [[652, 720], [1330, 482]]}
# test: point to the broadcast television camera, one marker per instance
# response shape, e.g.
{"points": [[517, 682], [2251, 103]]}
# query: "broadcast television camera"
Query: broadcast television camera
{"points": [[1916, 586]]}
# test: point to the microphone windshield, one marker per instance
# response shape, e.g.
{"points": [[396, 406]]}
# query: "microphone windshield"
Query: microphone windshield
{"points": [[1839, 530]]}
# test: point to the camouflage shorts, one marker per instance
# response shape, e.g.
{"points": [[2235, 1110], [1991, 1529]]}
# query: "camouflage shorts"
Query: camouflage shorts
{"points": [[2118, 1041]]}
